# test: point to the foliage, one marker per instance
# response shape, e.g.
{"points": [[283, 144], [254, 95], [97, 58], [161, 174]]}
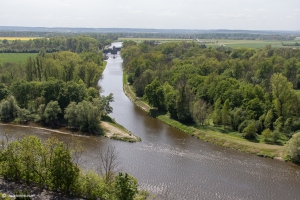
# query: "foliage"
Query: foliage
{"points": [[52, 163], [125, 186], [249, 132], [293, 147], [242, 85], [155, 94]]}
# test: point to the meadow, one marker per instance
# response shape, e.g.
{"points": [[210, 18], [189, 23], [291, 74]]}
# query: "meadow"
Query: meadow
{"points": [[224, 42], [15, 57]]}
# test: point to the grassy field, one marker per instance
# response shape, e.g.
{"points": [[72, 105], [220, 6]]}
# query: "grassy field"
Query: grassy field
{"points": [[246, 43], [15, 57], [228, 43], [19, 38]]}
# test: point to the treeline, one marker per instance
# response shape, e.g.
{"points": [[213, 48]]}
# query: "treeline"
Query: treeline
{"points": [[78, 44], [57, 88], [252, 91], [296, 44], [54, 165]]}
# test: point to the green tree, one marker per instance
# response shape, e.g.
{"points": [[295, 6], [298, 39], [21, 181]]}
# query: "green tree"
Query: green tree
{"points": [[250, 131], [217, 114], [226, 113], [170, 100], [293, 147], [8, 109], [51, 112], [125, 186], [155, 94], [64, 172], [282, 93], [201, 111], [267, 134]]}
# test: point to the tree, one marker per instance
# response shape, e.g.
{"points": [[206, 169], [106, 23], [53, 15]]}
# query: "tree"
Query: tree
{"points": [[31, 158], [51, 112], [217, 114], [125, 186], [293, 147], [226, 113], [282, 93], [8, 109], [267, 133], [170, 100], [201, 111], [63, 171], [108, 162], [250, 131], [155, 94]]}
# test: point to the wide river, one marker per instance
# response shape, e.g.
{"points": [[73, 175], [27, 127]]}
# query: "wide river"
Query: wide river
{"points": [[174, 165]]}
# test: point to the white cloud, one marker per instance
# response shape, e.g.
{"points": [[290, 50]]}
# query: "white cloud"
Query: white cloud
{"points": [[65, 4], [238, 16], [289, 17], [136, 11], [168, 13], [261, 10]]}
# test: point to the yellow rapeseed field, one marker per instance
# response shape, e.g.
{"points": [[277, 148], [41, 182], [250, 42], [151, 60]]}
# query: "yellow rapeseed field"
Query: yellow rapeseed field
{"points": [[19, 38]]}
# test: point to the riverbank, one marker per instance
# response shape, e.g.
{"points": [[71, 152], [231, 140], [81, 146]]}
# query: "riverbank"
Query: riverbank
{"points": [[116, 131], [208, 133]]}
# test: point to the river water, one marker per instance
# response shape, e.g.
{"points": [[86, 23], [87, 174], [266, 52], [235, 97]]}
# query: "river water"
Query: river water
{"points": [[174, 165]]}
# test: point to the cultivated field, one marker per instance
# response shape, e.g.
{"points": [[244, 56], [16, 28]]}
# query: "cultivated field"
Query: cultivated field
{"points": [[219, 42], [15, 57], [19, 38]]}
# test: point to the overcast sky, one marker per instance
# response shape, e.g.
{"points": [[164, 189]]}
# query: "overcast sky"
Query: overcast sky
{"points": [[163, 14]]}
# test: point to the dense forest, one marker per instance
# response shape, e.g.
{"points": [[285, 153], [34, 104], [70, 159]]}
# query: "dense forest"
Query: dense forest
{"points": [[251, 91], [56, 89]]}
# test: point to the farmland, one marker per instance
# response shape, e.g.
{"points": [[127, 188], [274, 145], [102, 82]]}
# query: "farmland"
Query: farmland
{"points": [[15, 57], [19, 38], [224, 42]]}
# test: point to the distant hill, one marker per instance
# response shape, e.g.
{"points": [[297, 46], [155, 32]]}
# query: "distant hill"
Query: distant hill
{"points": [[139, 30]]}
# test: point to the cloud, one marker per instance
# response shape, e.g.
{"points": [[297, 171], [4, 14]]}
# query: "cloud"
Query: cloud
{"points": [[238, 16], [289, 17], [260, 10], [64, 4], [168, 13], [125, 7], [136, 11]]}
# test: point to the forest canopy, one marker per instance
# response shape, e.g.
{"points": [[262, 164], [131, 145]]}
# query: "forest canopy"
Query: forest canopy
{"points": [[252, 91]]}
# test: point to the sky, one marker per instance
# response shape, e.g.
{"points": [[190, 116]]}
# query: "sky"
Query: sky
{"points": [[157, 14]]}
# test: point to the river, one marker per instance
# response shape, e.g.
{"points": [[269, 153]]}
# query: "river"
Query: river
{"points": [[174, 165]]}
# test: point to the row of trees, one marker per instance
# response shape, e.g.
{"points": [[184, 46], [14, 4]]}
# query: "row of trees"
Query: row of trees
{"points": [[78, 44], [54, 165], [252, 91]]}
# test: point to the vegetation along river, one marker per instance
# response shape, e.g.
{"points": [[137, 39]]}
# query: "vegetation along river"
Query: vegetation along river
{"points": [[175, 165]]}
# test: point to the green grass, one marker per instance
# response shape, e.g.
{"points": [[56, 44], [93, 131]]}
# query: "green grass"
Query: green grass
{"points": [[15, 57], [246, 43]]}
